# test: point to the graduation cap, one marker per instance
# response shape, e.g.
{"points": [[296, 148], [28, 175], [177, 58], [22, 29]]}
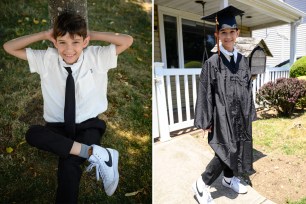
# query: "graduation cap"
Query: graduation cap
{"points": [[224, 18]]}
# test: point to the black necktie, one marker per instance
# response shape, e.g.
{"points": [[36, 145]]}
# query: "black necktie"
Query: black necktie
{"points": [[69, 111], [232, 62]]}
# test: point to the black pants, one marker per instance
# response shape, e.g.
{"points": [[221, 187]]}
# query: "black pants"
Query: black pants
{"points": [[214, 169], [52, 138]]}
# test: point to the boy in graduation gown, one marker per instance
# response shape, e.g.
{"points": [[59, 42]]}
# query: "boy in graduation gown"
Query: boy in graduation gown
{"points": [[225, 109]]}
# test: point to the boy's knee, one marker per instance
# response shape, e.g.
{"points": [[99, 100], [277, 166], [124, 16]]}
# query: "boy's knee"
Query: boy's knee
{"points": [[32, 134]]}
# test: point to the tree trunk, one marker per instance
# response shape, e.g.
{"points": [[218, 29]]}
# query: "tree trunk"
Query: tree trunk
{"points": [[56, 7]]}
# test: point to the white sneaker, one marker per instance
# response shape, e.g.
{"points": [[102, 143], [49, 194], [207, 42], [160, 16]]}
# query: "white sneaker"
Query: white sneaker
{"points": [[106, 162], [235, 185], [202, 192]]}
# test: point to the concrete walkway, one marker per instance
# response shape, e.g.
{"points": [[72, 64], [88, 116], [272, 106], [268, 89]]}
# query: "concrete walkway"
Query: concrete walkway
{"points": [[178, 163]]}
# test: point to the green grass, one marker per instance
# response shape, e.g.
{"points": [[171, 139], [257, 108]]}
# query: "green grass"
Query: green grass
{"points": [[281, 135], [28, 175], [302, 201]]}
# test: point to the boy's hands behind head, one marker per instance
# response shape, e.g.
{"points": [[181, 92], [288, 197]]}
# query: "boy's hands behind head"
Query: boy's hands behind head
{"points": [[17, 47], [49, 36]]}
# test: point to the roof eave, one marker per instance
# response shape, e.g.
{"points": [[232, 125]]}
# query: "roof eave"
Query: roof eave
{"points": [[276, 9]]}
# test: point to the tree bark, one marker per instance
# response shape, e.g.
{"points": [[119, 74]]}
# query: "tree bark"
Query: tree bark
{"points": [[56, 7]]}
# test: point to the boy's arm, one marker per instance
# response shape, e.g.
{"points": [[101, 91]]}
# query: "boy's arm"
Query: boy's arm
{"points": [[121, 41], [17, 47]]}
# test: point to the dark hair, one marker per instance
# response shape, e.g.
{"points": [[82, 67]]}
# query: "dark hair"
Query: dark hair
{"points": [[69, 22]]}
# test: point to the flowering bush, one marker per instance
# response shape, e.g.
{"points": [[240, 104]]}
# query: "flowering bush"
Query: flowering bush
{"points": [[282, 94], [302, 101]]}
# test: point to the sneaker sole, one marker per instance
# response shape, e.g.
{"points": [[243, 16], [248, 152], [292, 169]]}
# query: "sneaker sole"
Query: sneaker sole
{"points": [[194, 189], [113, 186]]}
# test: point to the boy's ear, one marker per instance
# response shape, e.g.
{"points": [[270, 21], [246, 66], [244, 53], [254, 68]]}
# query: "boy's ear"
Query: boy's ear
{"points": [[86, 41], [55, 43], [238, 32]]}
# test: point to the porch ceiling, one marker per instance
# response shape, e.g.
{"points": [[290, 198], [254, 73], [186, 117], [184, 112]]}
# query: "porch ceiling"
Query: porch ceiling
{"points": [[264, 13]]}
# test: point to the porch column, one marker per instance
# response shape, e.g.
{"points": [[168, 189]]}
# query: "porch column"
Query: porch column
{"points": [[223, 4], [161, 104], [293, 36]]}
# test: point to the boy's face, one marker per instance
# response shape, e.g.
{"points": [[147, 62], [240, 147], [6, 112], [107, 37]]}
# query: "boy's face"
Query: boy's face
{"points": [[69, 48], [228, 38]]}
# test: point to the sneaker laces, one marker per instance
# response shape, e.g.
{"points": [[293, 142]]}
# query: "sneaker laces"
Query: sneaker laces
{"points": [[99, 170], [235, 180]]}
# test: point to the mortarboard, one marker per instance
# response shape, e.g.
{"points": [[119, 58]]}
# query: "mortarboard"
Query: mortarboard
{"points": [[224, 17]]}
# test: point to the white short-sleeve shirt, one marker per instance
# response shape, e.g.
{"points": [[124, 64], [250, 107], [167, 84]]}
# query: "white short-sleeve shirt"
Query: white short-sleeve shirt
{"points": [[90, 77]]}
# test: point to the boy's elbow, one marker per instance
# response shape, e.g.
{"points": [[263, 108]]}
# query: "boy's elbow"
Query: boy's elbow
{"points": [[129, 41], [17, 53], [6, 47]]}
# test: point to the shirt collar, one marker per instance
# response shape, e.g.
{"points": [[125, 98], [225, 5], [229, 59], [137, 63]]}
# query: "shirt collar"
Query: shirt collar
{"points": [[75, 66], [228, 54]]}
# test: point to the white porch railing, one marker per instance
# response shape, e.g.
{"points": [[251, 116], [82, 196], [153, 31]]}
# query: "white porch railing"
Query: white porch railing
{"points": [[171, 110], [271, 74]]}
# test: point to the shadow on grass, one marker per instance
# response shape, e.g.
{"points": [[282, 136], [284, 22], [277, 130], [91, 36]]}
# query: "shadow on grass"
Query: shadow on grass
{"points": [[256, 156], [272, 113]]}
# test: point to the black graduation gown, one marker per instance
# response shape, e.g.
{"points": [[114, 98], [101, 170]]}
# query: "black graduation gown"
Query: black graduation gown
{"points": [[225, 103]]}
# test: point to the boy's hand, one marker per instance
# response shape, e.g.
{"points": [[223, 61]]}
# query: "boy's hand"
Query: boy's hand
{"points": [[205, 132], [49, 35], [121, 41]]}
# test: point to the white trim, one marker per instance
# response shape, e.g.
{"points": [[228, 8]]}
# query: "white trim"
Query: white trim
{"points": [[293, 37], [276, 9], [277, 69], [180, 45], [178, 13], [187, 97], [181, 125], [223, 4], [178, 98], [161, 103], [162, 35]]}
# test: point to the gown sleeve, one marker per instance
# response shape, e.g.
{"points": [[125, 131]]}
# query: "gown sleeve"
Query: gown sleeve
{"points": [[204, 104]]}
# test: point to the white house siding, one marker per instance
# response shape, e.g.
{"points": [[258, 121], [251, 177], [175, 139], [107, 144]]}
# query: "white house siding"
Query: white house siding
{"points": [[278, 38], [157, 52]]}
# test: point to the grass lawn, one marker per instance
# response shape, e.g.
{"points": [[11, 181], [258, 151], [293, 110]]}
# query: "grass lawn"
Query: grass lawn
{"points": [[302, 201], [284, 139], [28, 175], [282, 135]]}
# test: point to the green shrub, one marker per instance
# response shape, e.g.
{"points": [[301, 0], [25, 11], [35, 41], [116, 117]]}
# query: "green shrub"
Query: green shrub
{"points": [[298, 68], [193, 64], [282, 94]]}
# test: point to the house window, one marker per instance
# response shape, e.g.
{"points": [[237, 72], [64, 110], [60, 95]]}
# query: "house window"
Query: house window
{"points": [[186, 50], [193, 43], [171, 41]]}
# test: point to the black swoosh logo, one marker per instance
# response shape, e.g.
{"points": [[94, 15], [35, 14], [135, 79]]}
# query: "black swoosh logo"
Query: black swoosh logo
{"points": [[201, 194], [109, 163], [229, 183]]}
